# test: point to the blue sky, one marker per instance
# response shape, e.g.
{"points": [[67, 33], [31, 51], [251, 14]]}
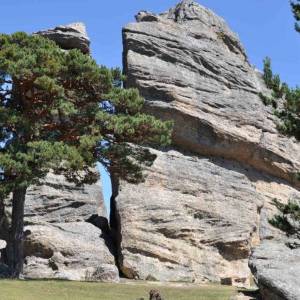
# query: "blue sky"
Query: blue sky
{"points": [[265, 27]]}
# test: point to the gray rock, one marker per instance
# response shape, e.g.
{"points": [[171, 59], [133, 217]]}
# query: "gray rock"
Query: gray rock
{"points": [[277, 271], [155, 295], [60, 243], [67, 233], [104, 273], [194, 219], [192, 68], [198, 215], [57, 201], [70, 251], [71, 36]]}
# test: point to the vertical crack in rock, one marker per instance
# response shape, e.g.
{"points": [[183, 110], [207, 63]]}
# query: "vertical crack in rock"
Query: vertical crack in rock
{"points": [[115, 225]]}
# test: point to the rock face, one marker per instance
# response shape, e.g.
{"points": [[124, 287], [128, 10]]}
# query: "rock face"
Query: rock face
{"points": [[60, 241], [66, 227], [191, 67], [277, 271], [72, 36], [207, 200], [59, 201], [192, 220], [72, 251]]}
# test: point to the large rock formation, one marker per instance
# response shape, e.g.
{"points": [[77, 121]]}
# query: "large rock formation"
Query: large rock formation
{"points": [[194, 219], [191, 67], [207, 200]]}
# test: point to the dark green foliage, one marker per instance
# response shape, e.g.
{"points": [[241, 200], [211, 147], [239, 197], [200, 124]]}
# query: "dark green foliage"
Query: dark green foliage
{"points": [[268, 100], [289, 114], [268, 74], [297, 176], [288, 218], [55, 109], [296, 11]]}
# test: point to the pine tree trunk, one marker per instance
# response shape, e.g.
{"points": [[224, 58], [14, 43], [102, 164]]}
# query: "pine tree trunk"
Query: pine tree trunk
{"points": [[15, 252]]}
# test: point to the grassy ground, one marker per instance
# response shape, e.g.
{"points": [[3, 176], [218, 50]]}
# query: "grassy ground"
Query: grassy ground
{"points": [[62, 290]]}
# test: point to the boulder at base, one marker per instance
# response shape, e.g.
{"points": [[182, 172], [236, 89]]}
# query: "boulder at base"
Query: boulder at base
{"points": [[276, 268], [67, 232]]}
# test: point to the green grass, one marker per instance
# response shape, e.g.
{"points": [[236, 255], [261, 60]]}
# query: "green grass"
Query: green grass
{"points": [[63, 290]]}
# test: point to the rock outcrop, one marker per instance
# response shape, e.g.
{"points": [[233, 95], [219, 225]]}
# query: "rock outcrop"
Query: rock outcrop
{"points": [[207, 200], [191, 67], [277, 270], [60, 201], [66, 236], [69, 251], [72, 36]]}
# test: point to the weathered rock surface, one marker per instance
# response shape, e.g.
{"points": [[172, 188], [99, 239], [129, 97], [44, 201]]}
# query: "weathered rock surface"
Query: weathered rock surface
{"points": [[277, 271], [197, 215], [67, 233], [194, 220], [60, 243], [72, 36], [72, 251], [59, 201], [191, 67]]}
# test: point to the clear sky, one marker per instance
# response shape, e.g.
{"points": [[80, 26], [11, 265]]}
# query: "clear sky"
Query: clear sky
{"points": [[265, 27]]}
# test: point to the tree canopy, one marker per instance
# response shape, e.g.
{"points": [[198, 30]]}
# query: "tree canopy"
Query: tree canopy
{"points": [[60, 111]]}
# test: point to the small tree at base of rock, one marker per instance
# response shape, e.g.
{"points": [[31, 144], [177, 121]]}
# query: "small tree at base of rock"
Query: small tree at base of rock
{"points": [[60, 111]]}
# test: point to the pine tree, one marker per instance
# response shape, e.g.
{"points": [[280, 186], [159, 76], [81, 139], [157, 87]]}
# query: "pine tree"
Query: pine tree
{"points": [[61, 112], [296, 11], [290, 113], [288, 219]]}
